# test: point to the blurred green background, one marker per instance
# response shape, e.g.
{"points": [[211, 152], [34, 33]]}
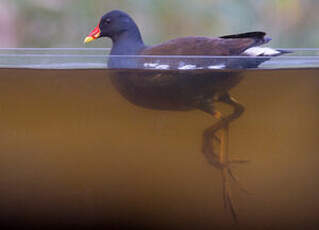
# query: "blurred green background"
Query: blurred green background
{"points": [[64, 23]]}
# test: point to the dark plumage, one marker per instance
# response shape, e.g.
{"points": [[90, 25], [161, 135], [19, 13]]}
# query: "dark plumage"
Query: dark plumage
{"points": [[176, 88], [127, 40], [181, 90]]}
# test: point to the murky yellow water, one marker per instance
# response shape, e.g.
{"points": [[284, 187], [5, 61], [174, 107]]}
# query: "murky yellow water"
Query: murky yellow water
{"points": [[74, 152]]}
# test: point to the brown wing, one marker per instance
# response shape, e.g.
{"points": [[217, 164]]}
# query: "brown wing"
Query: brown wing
{"points": [[227, 45]]}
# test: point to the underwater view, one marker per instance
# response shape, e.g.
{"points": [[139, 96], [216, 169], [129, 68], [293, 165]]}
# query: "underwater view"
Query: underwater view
{"points": [[76, 152]]}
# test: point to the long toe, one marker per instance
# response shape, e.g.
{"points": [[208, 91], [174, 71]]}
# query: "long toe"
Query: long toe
{"points": [[237, 181]]}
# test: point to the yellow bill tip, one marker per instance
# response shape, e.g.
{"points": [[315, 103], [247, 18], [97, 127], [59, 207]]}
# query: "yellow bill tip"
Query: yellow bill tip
{"points": [[88, 39]]}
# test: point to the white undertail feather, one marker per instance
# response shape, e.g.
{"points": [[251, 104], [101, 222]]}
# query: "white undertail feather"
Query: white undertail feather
{"points": [[261, 51]]}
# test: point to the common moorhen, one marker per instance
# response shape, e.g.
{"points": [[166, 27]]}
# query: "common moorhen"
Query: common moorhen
{"points": [[158, 82]]}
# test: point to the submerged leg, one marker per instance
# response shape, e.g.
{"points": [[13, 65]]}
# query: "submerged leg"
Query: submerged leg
{"points": [[220, 159], [225, 172], [209, 134]]}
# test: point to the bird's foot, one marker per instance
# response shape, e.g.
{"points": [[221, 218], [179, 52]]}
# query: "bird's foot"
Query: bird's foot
{"points": [[228, 177], [234, 178], [227, 168], [224, 164]]}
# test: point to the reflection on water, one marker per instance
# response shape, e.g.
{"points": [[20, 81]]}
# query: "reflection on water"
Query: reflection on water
{"points": [[74, 151]]}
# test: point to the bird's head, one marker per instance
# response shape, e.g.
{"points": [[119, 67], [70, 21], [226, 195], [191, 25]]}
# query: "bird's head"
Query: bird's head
{"points": [[113, 24]]}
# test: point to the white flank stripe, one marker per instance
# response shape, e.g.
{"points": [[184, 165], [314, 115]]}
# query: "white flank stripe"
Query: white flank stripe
{"points": [[151, 65], [258, 51], [222, 66], [162, 67], [187, 67]]}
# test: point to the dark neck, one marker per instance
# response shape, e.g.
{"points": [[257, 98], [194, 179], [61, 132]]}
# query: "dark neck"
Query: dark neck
{"points": [[129, 42]]}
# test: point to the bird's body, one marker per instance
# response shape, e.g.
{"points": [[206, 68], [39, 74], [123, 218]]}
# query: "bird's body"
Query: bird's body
{"points": [[181, 90], [162, 83], [173, 90], [206, 46]]}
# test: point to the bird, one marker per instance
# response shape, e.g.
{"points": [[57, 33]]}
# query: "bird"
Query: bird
{"points": [[147, 77]]}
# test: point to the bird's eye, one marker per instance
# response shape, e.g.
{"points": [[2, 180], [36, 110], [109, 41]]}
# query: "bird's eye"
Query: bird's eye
{"points": [[108, 21]]}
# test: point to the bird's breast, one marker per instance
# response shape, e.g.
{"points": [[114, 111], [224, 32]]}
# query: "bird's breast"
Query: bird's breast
{"points": [[171, 90]]}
